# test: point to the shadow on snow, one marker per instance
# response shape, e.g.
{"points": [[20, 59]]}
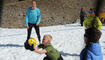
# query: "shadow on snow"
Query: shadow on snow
{"points": [[10, 45], [68, 54]]}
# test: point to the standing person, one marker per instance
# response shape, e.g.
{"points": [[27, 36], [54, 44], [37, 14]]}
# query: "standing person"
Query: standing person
{"points": [[82, 16], [48, 49], [92, 50], [92, 21], [32, 19]]}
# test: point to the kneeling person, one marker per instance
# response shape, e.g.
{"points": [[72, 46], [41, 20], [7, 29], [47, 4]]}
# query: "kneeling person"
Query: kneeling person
{"points": [[48, 49]]}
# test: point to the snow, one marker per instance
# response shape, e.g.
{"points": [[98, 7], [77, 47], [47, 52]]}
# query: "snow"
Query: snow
{"points": [[67, 39]]}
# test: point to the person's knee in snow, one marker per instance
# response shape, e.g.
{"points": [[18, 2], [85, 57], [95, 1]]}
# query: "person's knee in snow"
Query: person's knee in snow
{"points": [[47, 48]]}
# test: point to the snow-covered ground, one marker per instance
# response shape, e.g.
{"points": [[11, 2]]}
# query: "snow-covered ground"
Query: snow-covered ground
{"points": [[67, 39]]}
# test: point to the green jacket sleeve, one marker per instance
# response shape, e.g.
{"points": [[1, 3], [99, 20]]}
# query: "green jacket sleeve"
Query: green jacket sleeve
{"points": [[48, 49], [99, 23], [85, 24]]}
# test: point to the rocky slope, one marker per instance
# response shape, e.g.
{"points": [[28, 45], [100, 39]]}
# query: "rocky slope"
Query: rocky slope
{"points": [[53, 12]]}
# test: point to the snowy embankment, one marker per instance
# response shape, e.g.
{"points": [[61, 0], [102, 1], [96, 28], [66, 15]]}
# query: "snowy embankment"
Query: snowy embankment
{"points": [[68, 39]]}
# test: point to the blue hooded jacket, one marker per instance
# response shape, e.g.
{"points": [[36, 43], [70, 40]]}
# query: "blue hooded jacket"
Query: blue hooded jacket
{"points": [[32, 16], [93, 52]]}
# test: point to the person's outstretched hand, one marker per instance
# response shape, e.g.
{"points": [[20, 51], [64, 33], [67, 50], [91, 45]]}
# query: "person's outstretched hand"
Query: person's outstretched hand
{"points": [[31, 48], [37, 24], [27, 27]]}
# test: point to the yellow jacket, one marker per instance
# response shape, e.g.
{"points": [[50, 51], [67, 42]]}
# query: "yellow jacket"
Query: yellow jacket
{"points": [[88, 22]]}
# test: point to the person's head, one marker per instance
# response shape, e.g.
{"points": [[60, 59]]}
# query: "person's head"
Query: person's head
{"points": [[33, 3], [91, 12], [83, 9], [92, 35], [91, 9], [46, 39]]}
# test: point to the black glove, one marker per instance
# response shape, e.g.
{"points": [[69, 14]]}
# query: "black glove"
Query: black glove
{"points": [[41, 45], [28, 47], [31, 48]]}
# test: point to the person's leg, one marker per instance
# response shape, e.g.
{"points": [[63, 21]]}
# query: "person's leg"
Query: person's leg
{"points": [[29, 31], [26, 46], [37, 32], [60, 58], [82, 21], [46, 58]]}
